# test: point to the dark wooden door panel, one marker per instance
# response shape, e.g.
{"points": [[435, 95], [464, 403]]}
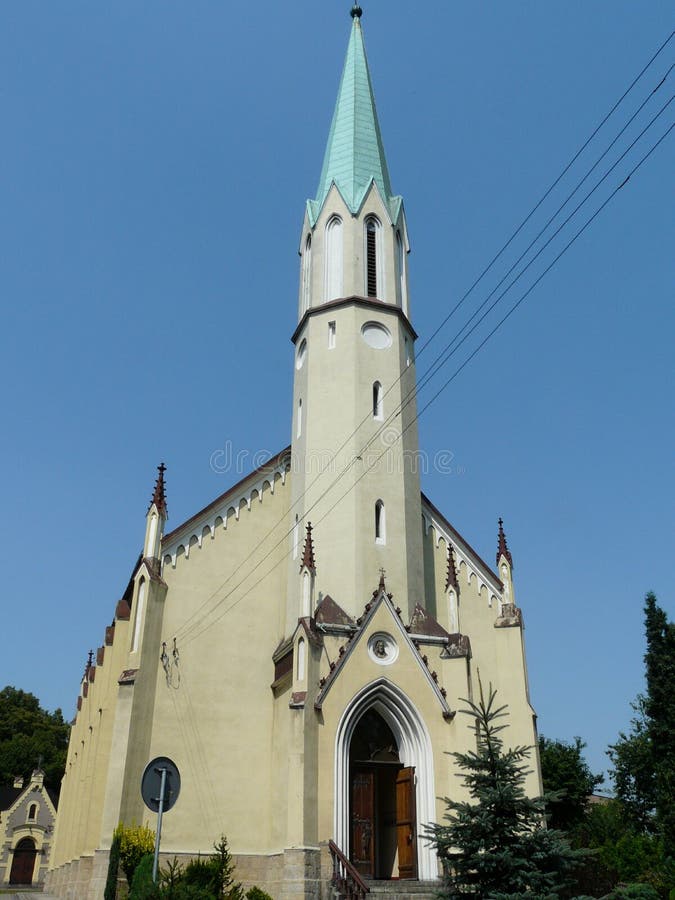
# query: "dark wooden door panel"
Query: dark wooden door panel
{"points": [[363, 822], [23, 862], [406, 823]]}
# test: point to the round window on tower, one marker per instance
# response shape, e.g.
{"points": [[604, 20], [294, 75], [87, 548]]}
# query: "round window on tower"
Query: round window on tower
{"points": [[376, 335], [301, 354]]}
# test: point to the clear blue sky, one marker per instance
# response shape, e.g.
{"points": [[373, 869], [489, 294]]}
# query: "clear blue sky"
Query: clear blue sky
{"points": [[155, 162]]}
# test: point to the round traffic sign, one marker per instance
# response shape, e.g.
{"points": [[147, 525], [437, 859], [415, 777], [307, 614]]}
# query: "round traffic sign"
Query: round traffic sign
{"points": [[152, 780]]}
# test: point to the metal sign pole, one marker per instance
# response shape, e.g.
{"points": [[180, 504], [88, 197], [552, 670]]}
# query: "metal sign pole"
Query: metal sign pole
{"points": [[160, 811], [169, 789]]}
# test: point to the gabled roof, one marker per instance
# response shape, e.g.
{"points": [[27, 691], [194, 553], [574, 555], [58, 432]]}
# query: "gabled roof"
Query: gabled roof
{"points": [[265, 470], [8, 796], [460, 544], [421, 623], [11, 797], [354, 156], [328, 612], [380, 599]]}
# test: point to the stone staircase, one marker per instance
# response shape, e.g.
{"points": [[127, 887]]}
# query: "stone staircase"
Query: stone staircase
{"points": [[402, 890]]}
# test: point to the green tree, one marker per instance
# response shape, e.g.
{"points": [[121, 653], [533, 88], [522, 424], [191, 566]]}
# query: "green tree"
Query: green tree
{"points": [[30, 735], [633, 770], [225, 885], [660, 712], [644, 759], [110, 892], [142, 885], [498, 845], [568, 781]]}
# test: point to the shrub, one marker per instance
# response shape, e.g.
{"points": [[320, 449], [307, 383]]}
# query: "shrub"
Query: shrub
{"points": [[142, 886], [256, 893], [201, 874], [135, 842], [110, 892], [633, 892], [224, 883]]}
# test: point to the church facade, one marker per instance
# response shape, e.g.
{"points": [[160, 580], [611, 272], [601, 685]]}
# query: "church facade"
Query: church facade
{"points": [[300, 647]]}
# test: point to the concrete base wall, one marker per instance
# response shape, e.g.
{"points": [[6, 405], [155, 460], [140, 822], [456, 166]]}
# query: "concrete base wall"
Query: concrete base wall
{"points": [[296, 874]]}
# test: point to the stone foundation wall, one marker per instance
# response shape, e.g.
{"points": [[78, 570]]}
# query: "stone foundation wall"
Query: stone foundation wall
{"points": [[296, 874]]}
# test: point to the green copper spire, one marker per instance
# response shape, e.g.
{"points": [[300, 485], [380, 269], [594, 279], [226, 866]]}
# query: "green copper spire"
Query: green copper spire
{"points": [[354, 154]]}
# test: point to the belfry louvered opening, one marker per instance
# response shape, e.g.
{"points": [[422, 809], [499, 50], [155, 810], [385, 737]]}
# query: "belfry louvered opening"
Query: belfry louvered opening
{"points": [[371, 257]]}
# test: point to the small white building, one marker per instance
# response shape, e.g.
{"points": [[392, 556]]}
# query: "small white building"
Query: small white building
{"points": [[27, 816]]}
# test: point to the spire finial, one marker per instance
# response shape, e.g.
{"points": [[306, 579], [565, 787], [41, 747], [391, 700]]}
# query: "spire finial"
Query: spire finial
{"points": [[451, 577], [356, 11], [159, 494], [90, 661], [502, 547], [308, 553], [381, 586]]}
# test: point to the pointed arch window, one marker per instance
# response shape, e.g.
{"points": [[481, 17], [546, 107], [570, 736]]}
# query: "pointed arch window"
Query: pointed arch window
{"points": [[380, 523], [306, 276], [333, 259], [140, 603], [400, 271], [373, 254], [378, 401], [302, 657], [298, 424]]}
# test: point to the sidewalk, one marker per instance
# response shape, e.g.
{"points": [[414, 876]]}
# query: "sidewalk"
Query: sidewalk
{"points": [[25, 895]]}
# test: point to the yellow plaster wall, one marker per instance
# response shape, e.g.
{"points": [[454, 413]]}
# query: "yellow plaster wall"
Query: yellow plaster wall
{"points": [[217, 711], [78, 824]]}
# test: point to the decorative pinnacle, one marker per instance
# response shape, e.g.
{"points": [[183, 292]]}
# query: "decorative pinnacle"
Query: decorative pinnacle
{"points": [[382, 586], [356, 11], [308, 553], [451, 580], [90, 661], [502, 547], [159, 494]]}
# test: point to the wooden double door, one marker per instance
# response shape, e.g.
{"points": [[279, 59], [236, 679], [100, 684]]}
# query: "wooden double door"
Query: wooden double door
{"points": [[23, 862], [383, 822]]}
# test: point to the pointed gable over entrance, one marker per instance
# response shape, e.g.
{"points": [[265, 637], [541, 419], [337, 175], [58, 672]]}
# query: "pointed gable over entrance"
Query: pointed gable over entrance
{"points": [[382, 637]]}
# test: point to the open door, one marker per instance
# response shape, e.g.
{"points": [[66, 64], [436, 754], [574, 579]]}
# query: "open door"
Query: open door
{"points": [[362, 854], [406, 823]]}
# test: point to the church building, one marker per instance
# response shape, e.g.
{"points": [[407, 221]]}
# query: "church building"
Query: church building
{"points": [[300, 647]]}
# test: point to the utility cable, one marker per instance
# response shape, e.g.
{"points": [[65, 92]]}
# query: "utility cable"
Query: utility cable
{"points": [[433, 367], [473, 353]]}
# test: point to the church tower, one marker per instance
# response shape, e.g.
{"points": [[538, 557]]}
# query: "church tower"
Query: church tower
{"points": [[300, 646], [354, 455]]}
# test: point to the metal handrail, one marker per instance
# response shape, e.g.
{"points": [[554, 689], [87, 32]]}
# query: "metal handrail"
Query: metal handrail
{"points": [[346, 879]]}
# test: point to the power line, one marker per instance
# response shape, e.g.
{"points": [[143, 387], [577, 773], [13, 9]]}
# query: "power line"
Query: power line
{"points": [[449, 351], [446, 353], [552, 187], [474, 352]]}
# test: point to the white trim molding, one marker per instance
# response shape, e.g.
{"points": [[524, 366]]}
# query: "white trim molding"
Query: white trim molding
{"points": [[414, 747]]}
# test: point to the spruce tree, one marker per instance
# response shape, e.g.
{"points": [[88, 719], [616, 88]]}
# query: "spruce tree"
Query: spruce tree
{"points": [[497, 845], [660, 714]]}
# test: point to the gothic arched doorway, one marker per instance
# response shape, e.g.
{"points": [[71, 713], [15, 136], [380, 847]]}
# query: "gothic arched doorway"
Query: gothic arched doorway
{"points": [[415, 753], [382, 803], [23, 862]]}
